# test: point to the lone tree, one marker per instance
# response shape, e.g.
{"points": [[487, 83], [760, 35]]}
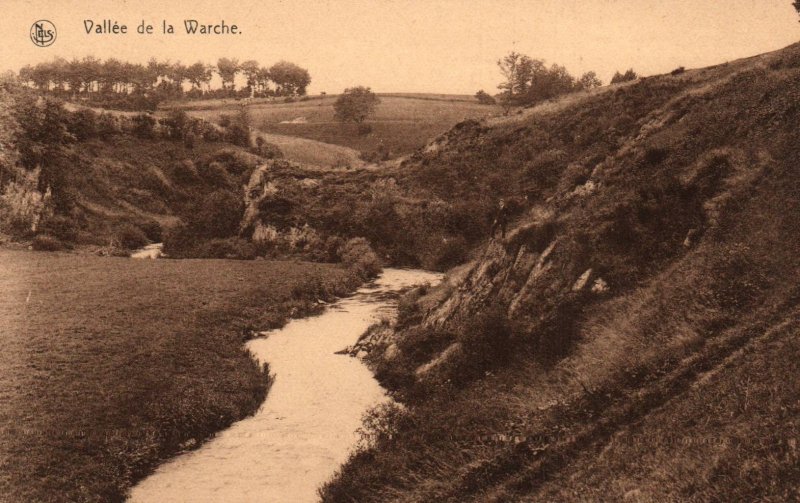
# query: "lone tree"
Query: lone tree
{"points": [[588, 80], [355, 104], [797, 6]]}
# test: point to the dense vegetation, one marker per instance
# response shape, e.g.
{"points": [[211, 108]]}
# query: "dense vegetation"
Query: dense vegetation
{"points": [[630, 337], [117, 182]]}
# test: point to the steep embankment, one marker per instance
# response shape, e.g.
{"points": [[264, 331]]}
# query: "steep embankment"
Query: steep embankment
{"points": [[634, 335]]}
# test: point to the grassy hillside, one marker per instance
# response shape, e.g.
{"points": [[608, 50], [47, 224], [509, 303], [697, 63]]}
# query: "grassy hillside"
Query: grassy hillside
{"points": [[125, 178], [401, 124], [115, 182], [631, 337]]}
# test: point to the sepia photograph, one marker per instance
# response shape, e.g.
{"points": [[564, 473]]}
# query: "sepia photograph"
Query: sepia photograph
{"points": [[368, 251]]}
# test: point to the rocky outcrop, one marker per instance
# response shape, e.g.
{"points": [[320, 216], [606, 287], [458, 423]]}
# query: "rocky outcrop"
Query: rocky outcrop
{"points": [[265, 187], [377, 336]]}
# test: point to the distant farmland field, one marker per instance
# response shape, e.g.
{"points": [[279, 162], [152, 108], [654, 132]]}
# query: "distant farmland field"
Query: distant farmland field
{"points": [[110, 364], [402, 122]]}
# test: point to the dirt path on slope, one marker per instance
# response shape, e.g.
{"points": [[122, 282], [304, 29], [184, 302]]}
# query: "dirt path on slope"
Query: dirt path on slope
{"points": [[317, 153]]}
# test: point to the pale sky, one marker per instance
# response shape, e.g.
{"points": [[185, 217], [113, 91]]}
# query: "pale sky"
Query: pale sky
{"points": [[444, 46]]}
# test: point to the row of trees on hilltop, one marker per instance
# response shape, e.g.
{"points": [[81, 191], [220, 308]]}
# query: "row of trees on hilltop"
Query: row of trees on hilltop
{"points": [[142, 86]]}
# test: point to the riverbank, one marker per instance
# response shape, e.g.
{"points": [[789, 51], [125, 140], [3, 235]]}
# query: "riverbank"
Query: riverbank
{"points": [[112, 365]]}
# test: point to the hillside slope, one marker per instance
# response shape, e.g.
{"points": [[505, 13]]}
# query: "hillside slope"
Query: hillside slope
{"points": [[634, 336], [114, 182]]}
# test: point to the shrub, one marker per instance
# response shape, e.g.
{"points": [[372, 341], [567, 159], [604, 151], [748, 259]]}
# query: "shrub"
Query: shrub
{"points": [[453, 252], [238, 129], [267, 150], [82, 124], [211, 134], [230, 248], [130, 237], [381, 153], [357, 254], [215, 174], [626, 77], [179, 240], [152, 229], [58, 226], [355, 105], [44, 242], [21, 204], [408, 310], [238, 135], [217, 216], [189, 140], [486, 343], [236, 161], [185, 172], [224, 120], [485, 98], [107, 126], [381, 423], [144, 126], [175, 124], [364, 129], [332, 246]]}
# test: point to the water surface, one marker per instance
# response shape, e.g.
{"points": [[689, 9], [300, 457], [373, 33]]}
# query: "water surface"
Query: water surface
{"points": [[307, 426]]}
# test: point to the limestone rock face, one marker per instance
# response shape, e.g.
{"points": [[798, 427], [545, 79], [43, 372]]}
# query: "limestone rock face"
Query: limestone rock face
{"points": [[501, 277]]}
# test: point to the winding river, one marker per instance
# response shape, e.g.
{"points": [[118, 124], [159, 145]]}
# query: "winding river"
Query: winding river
{"points": [[307, 426]]}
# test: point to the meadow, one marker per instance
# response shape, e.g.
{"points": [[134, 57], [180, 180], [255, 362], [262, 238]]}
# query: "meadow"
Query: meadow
{"points": [[111, 365], [402, 122]]}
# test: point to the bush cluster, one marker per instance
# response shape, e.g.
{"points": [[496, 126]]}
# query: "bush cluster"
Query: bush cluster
{"points": [[358, 255], [130, 237], [45, 242]]}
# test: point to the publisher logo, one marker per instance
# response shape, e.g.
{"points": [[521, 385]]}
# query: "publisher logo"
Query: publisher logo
{"points": [[43, 33]]}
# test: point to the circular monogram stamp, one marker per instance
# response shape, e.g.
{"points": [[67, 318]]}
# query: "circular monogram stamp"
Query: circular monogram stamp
{"points": [[43, 33]]}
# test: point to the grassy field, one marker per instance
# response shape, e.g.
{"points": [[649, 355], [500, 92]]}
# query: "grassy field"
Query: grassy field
{"points": [[402, 122], [110, 365]]}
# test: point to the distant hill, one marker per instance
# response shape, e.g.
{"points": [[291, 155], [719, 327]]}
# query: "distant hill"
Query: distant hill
{"points": [[402, 123]]}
